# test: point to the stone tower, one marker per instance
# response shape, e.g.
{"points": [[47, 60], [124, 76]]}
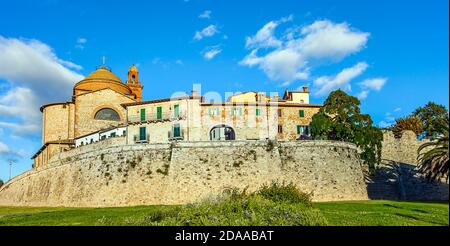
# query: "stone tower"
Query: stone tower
{"points": [[133, 82]]}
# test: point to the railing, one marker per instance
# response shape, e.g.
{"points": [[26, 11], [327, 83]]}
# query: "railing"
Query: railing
{"points": [[137, 139], [152, 117], [172, 137]]}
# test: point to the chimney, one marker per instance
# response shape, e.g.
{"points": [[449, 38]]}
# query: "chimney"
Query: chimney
{"points": [[305, 89]]}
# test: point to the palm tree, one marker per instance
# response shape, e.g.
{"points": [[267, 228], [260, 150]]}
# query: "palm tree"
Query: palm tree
{"points": [[433, 156]]}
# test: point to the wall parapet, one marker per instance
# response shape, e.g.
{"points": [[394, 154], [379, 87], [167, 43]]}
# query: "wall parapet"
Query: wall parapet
{"points": [[110, 173]]}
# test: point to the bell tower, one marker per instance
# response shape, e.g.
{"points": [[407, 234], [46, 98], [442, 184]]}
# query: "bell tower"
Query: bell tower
{"points": [[134, 84]]}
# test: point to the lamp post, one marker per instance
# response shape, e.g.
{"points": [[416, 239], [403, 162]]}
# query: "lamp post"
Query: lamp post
{"points": [[10, 168]]}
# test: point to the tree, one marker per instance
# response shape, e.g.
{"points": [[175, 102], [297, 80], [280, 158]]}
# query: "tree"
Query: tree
{"points": [[1, 183], [433, 156], [340, 119], [432, 115], [412, 123]]}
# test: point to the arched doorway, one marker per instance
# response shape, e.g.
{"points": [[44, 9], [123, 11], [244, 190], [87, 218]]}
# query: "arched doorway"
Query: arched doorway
{"points": [[221, 133]]}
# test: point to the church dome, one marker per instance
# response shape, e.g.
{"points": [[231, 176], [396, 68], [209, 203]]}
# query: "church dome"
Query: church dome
{"points": [[102, 78]]}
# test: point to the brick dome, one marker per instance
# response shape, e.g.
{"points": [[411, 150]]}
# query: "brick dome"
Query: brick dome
{"points": [[100, 79]]}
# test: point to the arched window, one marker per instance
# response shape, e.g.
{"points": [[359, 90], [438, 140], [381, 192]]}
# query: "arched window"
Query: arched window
{"points": [[107, 114]]}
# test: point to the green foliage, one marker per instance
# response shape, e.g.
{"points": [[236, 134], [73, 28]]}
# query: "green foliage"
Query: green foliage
{"points": [[340, 119], [274, 205], [364, 213], [285, 193], [432, 117], [433, 156], [411, 123], [1, 183]]}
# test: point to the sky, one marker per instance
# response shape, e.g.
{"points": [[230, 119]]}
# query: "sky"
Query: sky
{"points": [[392, 55]]}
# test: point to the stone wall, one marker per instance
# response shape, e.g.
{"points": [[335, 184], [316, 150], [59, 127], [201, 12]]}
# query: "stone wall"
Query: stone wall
{"points": [[111, 173], [402, 149]]}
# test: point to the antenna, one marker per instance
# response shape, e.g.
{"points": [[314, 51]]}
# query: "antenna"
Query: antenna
{"points": [[11, 161]]}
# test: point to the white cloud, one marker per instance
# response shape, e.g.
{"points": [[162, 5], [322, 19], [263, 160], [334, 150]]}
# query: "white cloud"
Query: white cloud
{"points": [[81, 43], [211, 52], [291, 55], [363, 95], [327, 40], [279, 65], [374, 84], [4, 148], [36, 76], [265, 37], [397, 109], [384, 124], [208, 31], [325, 84], [179, 62], [205, 15]]}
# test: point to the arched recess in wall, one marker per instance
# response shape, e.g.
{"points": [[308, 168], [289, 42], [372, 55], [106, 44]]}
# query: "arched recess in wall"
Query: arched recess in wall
{"points": [[222, 132], [107, 114]]}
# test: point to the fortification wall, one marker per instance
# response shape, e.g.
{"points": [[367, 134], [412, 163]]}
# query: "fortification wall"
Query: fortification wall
{"points": [[403, 150], [110, 173]]}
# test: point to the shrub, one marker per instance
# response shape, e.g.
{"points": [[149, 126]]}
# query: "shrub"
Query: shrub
{"points": [[285, 193], [274, 205], [1, 183]]}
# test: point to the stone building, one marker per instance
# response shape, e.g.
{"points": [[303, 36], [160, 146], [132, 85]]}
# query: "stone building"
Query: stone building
{"points": [[102, 107], [95, 105], [245, 116]]}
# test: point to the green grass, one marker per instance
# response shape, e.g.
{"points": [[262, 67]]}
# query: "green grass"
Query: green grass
{"points": [[254, 211], [385, 213]]}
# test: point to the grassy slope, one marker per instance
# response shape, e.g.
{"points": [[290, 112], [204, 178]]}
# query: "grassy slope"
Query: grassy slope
{"points": [[374, 213]]}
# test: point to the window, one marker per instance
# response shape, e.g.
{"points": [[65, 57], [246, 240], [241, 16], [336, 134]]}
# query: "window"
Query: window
{"points": [[176, 131], [258, 112], [280, 129], [176, 111], [303, 130], [142, 134], [213, 111], [301, 113], [143, 114], [159, 113], [236, 111], [112, 135], [107, 114], [92, 140], [279, 113]]}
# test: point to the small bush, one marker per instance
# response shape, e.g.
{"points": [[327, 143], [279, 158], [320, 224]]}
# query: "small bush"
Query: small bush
{"points": [[285, 193], [1, 183], [274, 205]]}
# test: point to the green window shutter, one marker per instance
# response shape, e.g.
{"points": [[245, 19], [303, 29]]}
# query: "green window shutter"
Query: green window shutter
{"points": [[299, 129], [240, 111], [258, 112], [143, 114], [209, 112], [176, 131], [302, 113], [142, 133], [176, 111], [159, 113]]}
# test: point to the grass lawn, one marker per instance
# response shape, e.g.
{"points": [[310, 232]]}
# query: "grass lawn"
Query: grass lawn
{"points": [[369, 213]]}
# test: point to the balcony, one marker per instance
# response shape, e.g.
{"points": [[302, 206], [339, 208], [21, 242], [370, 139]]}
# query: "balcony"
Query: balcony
{"points": [[176, 136], [155, 118], [139, 140]]}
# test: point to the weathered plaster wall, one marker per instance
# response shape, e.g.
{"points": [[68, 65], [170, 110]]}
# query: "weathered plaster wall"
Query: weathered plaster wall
{"points": [[110, 173]]}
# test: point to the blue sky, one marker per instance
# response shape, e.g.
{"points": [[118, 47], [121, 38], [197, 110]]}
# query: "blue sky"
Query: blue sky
{"points": [[392, 54]]}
